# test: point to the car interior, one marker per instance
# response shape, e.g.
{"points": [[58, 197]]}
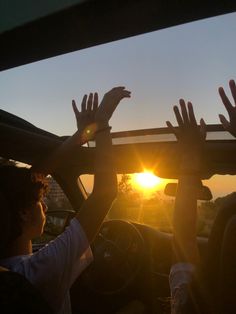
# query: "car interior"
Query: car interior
{"points": [[132, 252]]}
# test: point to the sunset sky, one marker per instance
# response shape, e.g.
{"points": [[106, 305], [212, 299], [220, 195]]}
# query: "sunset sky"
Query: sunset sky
{"points": [[188, 61]]}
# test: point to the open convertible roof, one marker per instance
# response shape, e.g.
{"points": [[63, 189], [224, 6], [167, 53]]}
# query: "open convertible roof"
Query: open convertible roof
{"points": [[132, 150], [34, 30]]}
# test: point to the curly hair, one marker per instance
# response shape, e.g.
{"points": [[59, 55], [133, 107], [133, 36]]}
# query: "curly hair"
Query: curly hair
{"points": [[20, 189]]}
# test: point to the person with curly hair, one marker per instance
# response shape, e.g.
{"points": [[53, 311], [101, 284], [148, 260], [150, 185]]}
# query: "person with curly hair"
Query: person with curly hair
{"points": [[54, 268]]}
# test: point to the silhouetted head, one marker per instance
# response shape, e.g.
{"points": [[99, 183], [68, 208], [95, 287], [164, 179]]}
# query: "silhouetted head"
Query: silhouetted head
{"points": [[21, 206]]}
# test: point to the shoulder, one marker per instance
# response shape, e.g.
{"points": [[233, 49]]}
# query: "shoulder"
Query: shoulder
{"points": [[66, 249]]}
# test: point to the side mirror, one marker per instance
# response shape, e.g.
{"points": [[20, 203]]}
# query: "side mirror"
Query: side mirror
{"points": [[57, 220], [204, 193]]}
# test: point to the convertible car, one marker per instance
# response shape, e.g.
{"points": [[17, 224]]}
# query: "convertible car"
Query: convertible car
{"points": [[132, 253], [132, 258]]}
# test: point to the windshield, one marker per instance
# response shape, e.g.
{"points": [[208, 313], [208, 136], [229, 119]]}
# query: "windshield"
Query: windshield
{"points": [[141, 199]]}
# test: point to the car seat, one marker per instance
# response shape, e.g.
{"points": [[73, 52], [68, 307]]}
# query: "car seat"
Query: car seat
{"points": [[18, 295], [220, 264]]}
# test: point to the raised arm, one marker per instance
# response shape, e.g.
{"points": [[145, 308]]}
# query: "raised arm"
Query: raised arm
{"points": [[230, 125], [191, 139], [95, 208], [85, 132]]}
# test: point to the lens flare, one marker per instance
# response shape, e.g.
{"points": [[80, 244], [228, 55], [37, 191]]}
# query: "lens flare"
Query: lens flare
{"points": [[146, 180]]}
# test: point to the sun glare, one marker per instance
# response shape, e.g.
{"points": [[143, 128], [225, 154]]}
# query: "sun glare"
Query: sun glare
{"points": [[146, 180]]}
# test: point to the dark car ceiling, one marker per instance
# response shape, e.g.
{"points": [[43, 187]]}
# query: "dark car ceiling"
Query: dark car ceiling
{"points": [[91, 23]]}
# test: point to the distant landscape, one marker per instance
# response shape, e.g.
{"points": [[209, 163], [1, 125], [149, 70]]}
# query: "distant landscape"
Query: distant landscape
{"points": [[155, 210]]}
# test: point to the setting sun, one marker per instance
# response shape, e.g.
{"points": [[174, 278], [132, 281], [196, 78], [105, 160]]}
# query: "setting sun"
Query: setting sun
{"points": [[146, 180]]}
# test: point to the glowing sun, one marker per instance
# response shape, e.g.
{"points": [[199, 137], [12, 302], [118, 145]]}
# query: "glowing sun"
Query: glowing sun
{"points": [[146, 180]]}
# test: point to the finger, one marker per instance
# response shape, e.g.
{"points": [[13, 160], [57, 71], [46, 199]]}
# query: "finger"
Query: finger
{"points": [[83, 103], [116, 90], [233, 89], [172, 129], [184, 111], [90, 102], [121, 91], [75, 109], [118, 87], [95, 101], [191, 114], [225, 122], [126, 93], [225, 100], [122, 94], [178, 116], [203, 128]]}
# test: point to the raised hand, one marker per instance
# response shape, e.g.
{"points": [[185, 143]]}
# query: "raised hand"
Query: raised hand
{"points": [[230, 125], [190, 137], [85, 117], [109, 103]]}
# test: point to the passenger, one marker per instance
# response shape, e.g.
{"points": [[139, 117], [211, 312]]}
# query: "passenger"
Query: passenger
{"points": [[191, 140], [183, 272], [226, 290], [54, 268], [230, 125]]}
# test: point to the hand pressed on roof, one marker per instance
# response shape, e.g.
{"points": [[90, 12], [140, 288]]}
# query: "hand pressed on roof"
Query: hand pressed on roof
{"points": [[190, 136], [230, 125]]}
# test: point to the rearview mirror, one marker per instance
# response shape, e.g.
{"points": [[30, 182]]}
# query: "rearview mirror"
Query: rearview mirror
{"points": [[204, 193]]}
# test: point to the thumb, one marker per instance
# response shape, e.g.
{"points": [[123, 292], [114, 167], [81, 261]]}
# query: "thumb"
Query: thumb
{"points": [[75, 109], [225, 122], [203, 128]]}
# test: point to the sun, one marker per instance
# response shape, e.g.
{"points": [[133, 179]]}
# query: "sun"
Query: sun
{"points": [[146, 180]]}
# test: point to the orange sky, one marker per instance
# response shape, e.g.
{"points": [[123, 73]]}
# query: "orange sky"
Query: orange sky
{"points": [[220, 185]]}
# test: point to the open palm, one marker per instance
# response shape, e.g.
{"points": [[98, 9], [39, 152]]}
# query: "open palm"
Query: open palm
{"points": [[230, 125], [109, 103], [86, 117]]}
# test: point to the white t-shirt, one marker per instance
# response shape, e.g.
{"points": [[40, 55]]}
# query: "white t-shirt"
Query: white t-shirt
{"points": [[179, 279], [55, 267]]}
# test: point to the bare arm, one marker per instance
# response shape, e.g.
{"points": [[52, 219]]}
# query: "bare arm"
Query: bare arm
{"points": [[92, 121], [50, 164], [95, 208], [86, 131], [185, 220], [191, 140], [230, 125]]}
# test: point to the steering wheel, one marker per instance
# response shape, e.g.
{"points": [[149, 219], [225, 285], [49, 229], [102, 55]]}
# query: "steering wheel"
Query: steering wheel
{"points": [[118, 255]]}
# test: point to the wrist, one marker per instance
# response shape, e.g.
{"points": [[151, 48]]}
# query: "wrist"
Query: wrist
{"points": [[103, 130], [102, 124]]}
